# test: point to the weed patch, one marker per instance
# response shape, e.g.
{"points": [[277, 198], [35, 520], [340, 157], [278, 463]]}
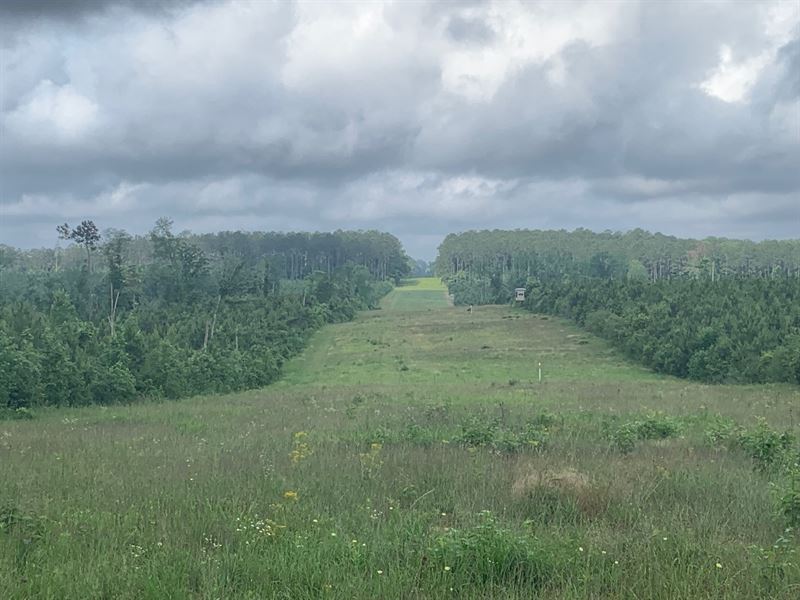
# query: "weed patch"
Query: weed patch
{"points": [[488, 554], [478, 432], [789, 496], [766, 446], [25, 530], [23, 413], [653, 427]]}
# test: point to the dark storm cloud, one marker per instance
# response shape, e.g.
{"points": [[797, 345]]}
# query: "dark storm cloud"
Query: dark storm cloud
{"points": [[23, 10], [417, 118]]}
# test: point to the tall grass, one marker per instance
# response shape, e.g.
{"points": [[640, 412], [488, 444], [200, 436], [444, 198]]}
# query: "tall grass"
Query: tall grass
{"points": [[355, 478]]}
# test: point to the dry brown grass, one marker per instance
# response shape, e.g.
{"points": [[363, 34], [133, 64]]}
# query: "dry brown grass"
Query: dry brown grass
{"points": [[567, 483]]}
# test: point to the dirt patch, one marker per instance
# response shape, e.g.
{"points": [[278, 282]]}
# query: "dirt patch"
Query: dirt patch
{"points": [[567, 484], [564, 480]]}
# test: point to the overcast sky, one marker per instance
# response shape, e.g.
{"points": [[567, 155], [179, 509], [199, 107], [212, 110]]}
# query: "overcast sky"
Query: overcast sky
{"points": [[413, 117]]}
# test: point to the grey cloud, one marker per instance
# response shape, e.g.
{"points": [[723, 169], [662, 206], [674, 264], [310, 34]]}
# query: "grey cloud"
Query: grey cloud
{"points": [[67, 10], [788, 87], [629, 108], [469, 30], [416, 118]]}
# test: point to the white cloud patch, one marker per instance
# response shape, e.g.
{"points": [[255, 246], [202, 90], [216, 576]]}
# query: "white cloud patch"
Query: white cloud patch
{"points": [[731, 80], [51, 112]]}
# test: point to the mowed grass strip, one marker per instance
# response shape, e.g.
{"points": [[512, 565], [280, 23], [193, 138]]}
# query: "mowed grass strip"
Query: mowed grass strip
{"points": [[424, 293], [412, 453]]}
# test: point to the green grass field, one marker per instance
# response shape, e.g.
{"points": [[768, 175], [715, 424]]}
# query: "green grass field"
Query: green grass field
{"points": [[417, 294], [411, 453]]}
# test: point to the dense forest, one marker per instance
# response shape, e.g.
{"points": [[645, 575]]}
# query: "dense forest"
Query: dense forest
{"points": [[734, 330], [485, 266], [113, 318], [714, 310], [293, 255]]}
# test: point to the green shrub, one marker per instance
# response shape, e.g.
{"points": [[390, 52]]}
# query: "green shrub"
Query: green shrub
{"points": [[722, 431], [111, 385], [490, 554], [657, 427], [507, 441], [654, 427], [765, 445], [789, 496], [625, 437], [478, 432], [535, 434]]}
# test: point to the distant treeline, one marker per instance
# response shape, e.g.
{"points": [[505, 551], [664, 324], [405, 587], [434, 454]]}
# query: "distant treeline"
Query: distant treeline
{"points": [[714, 309], [485, 266], [293, 255], [175, 315]]}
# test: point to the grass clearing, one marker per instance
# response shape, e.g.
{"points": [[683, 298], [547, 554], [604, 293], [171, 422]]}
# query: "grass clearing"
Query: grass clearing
{"points": [[411, 453], [423, 293]]}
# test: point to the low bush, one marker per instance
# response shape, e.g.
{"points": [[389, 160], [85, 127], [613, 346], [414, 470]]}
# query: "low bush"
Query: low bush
{"points": [[489, 554], [763, 444], [478, 432], [657, 427], [653, 427]]}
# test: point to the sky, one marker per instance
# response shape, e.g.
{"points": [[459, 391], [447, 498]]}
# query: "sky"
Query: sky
{"points": [[418, 118]]}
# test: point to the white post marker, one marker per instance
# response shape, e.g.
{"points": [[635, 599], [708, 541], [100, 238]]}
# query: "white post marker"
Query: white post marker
{"points": [[540, 371]]}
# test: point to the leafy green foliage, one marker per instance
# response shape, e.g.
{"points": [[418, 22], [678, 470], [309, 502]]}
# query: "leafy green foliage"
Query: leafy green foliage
{"points": [[625, 438], [732, 330], [478, 431], [715, 311], [657, 427], [485, 266], [183, 322], [789, 496], [190, 497], [652, 427], [489, 553], [766, 446]]}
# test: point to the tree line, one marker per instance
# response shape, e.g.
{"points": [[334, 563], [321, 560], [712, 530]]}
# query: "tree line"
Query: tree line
{"points": [[743, 330], [713, 310], [485, 266], [171, 315], [292, 255]]}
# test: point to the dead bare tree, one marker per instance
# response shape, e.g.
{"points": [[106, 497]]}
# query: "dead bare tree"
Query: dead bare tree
{"points": [[112, 313]]}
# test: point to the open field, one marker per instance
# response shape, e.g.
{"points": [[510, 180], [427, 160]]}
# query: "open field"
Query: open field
{"points": [[412, 453], [417, 294]]}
